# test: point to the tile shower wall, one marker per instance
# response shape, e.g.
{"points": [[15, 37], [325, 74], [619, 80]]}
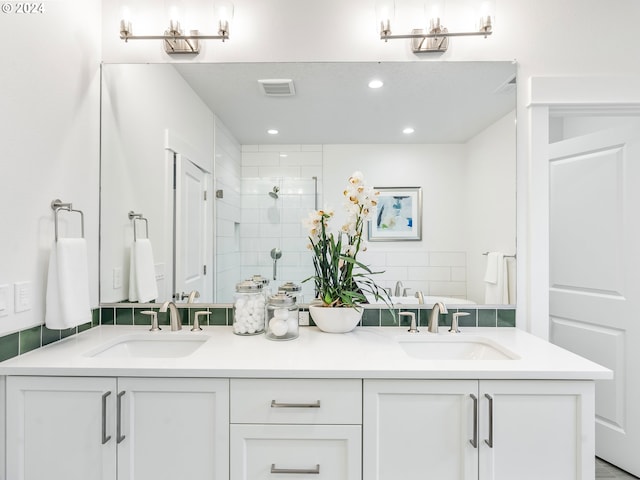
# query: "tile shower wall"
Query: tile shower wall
{"points": [[268, 222], [434, 273], [227, 178]]}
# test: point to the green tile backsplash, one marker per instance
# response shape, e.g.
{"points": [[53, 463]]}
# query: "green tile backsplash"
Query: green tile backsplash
{"points": [[35, 337]]}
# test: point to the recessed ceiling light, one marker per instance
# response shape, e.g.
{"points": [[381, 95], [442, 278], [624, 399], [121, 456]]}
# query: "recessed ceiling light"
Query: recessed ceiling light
{"points": [[376, 83], [272, 131], [408, 130]]}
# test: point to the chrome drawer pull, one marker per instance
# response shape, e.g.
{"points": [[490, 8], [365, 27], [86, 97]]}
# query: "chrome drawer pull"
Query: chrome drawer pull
{"points": [[275, 404], [119, 436], [303, 471], [474, 440], [105, 437], [489, 441]]}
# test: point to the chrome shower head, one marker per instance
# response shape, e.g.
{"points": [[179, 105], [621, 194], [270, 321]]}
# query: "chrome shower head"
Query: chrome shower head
{"points": [[274, 193]]}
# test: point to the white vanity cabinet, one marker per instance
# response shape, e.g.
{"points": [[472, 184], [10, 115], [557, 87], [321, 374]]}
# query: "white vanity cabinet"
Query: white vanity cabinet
{"points": [[81, 428], [487, 430], [296, 428]]}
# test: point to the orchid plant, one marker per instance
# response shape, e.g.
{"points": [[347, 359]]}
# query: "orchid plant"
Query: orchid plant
{"points": [[340, 279]]}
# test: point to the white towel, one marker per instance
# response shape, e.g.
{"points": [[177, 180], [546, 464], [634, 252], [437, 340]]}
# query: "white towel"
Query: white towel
{"points": [[67, 299], [491, 273], [496, 280], [142, 274]]}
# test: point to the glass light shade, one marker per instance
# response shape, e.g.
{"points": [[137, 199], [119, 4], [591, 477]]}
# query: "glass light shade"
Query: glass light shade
{"points": [[385, 15], [175, 12], [125, 20], [223, 14], [487, 12], [434, 14]]}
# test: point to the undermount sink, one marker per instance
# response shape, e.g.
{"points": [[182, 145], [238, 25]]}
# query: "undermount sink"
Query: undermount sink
{"points": [[149, 346], [453, 347]]}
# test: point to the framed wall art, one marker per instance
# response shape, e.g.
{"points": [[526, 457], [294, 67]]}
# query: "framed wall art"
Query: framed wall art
{"points": [[398, 215]]}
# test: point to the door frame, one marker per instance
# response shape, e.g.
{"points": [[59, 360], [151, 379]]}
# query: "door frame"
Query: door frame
{"points": [[550, 97], [174, 143]]}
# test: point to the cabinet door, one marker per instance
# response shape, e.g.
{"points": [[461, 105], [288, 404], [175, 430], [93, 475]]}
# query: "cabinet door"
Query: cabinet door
{"points": [[321, 452], [173, 428], [536, 430], [417, 429], [60, 428]]}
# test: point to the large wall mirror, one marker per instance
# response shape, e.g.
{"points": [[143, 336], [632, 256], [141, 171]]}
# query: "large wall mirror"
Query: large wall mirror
{"points": [[189, 169]]}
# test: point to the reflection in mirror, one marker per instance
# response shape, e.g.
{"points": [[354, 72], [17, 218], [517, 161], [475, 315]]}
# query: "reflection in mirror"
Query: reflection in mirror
{"points": [[187, 146]]}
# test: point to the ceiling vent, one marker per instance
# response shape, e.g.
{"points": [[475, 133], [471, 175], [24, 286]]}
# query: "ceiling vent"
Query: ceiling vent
{"points": [[277, 87], [507, 87]]}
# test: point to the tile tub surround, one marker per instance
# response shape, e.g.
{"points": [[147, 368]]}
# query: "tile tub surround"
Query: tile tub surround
{"points": [[222, 314]]}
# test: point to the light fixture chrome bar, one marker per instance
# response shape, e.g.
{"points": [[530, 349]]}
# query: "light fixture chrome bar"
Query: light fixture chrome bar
{"points": [[434, 35], [174, 37]]}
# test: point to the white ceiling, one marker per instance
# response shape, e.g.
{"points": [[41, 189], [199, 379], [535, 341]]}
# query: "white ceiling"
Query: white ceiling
{"points": [[445, 102]]}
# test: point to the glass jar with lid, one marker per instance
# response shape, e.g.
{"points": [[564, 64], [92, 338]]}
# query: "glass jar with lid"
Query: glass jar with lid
{"points": [[292, 289], [265, 284], [282, 317], [248, 309]]}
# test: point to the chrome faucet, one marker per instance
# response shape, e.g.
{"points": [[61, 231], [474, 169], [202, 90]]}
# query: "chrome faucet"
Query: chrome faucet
{"points": [[174, 315], [434, 318], [420, 297], [398, 290]]}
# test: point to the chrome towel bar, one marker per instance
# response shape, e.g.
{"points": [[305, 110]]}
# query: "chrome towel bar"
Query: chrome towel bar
{"points": [[138, 216], [56, 206]]}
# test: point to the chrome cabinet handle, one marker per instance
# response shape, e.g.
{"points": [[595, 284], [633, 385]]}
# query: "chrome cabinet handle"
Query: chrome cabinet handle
{"points": [[276, 404], [105, 437], [303, 471], [119, 436], [489, 441], [474, 440]]}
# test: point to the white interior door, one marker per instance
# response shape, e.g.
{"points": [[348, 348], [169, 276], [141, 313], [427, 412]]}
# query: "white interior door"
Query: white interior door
{"points": [[594, 284], [191, 226]]}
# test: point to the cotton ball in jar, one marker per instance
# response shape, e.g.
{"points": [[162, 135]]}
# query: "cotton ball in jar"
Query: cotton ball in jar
{"points": [[281, 313], [278, 327]]}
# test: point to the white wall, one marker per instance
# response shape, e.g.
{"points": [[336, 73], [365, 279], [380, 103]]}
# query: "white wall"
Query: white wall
{"points": [[49, 133], [137, 172], [490, 202], [437, 263]]}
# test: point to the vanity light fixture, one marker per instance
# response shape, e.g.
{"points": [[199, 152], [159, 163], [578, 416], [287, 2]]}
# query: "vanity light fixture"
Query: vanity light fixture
{"points": [[434, 37], [175, 39]]}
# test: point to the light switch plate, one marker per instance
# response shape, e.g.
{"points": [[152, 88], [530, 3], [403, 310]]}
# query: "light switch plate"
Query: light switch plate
{"points": [[22, 296], [4, 300], [303, 318], [117, 277]]}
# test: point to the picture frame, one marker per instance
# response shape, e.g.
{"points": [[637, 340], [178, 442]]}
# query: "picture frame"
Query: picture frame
{"points": [[397, 216]]}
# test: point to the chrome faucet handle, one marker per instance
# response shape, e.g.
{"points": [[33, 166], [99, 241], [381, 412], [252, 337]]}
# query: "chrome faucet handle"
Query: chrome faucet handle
{"points": [[454, 323], [405, 292], [154, 320], [412, 327], [196, 321]]}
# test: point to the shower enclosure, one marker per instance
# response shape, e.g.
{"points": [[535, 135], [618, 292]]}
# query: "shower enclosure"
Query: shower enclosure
{"points": [[271, 215]]}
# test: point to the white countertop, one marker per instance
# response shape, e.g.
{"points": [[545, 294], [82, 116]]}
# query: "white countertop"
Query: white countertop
{"points": [[367, 352]]}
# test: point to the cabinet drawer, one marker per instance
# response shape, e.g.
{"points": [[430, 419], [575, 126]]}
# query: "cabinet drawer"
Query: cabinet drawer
{"points": [[330, 452], [303, 401]]}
